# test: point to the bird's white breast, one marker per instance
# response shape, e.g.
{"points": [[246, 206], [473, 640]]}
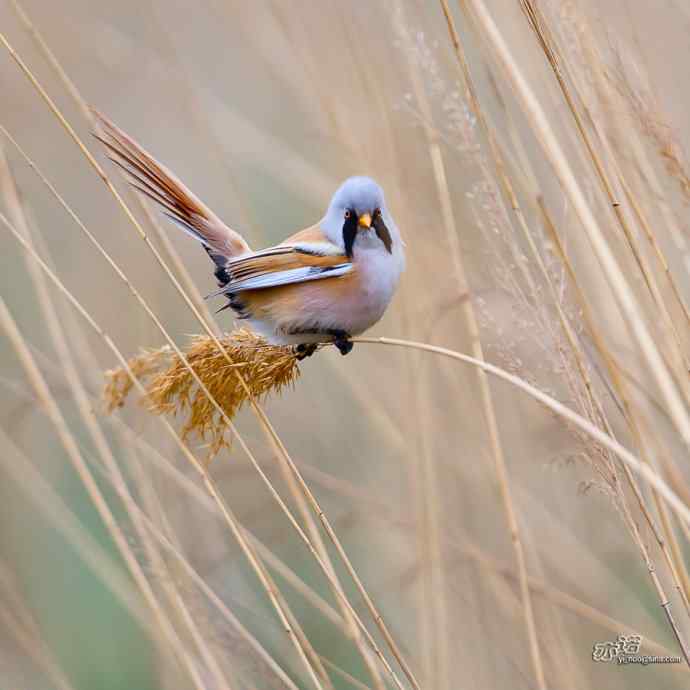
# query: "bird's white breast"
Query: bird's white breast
{"points": [[379, 272]]}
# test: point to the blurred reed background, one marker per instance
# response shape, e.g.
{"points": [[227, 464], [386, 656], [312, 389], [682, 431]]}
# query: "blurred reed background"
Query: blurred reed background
{"points": [[532, 154]]}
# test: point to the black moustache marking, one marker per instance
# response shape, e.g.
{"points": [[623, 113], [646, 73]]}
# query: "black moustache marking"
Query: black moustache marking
{"points": [[382, 233], [350, 232]]}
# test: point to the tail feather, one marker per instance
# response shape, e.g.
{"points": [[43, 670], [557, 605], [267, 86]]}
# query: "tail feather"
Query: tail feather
{"points": [[178, 203], [141, 185]]}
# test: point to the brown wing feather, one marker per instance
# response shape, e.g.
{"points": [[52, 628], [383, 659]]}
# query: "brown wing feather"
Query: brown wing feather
{"points": [[157, 182], [258, 265], [284, 257]]}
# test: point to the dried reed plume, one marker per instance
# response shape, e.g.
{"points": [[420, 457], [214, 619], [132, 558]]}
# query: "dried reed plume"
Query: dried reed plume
{"points": [[171, 388]]}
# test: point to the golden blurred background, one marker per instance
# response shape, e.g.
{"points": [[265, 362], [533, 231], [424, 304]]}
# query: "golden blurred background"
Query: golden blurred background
{"points": [[498, 542]]}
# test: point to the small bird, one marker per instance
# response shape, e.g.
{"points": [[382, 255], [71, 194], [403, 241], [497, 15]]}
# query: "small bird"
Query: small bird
{"points": [[326, 283]]}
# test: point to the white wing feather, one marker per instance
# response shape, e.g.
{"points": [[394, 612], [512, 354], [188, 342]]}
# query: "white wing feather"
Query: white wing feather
{"points": [[293, 275]]}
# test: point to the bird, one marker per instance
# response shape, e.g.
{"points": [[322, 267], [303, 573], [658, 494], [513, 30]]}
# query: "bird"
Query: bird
{"points": [[324, 284]]}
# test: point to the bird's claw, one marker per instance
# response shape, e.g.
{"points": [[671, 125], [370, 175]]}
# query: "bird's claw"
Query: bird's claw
{"points": [[343, 343], [341, 340], [305, 350]]}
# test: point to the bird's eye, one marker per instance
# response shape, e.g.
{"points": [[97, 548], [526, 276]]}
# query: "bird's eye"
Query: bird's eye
{"points": [[377, 212], [348, 214]]}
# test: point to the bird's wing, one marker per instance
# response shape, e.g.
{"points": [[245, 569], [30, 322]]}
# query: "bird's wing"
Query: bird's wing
{"points": [[182, 207], [285, 264]]}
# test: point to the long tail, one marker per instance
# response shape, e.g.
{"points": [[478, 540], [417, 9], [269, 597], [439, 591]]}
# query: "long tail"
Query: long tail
{"points": [[178, 203]]}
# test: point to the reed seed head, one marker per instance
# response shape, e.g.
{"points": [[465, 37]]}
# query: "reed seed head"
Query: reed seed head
{"points": [[171, 388]]}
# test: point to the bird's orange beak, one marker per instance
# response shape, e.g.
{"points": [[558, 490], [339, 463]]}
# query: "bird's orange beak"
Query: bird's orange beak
{"points": [[364, 220]]}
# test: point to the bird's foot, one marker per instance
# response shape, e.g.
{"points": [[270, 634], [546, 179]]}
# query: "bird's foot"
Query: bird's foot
{"points": [[342, 342], [305, 350]]}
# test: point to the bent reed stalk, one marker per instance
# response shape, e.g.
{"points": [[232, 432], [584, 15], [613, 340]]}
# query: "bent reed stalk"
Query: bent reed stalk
{"points": [[642, 470], [170, 401]]}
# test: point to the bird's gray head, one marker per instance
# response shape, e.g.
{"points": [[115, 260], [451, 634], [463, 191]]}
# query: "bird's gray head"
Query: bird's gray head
{"points": [[358, 209]]}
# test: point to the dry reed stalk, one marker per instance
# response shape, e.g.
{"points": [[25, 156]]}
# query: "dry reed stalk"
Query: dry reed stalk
{"points": [[673, 566], [435, 632], [71, 448], [76, 96], [167, 542], [83, 106], [673, 560], [611, 269], [649, 234], [375, 506], [468, 550], [82, 400], [305, 643], [635, 203], [202, 497], [269, 557], [169, 584], [344, 674], [219, 604], [571, 95], [677, 482], [178, 266], [644, 105], [633, 423], [266, 554], [84, 405], [198, 466], [171, 389], [487, 404], [591, 406], [330, 573], [657, 199]]}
